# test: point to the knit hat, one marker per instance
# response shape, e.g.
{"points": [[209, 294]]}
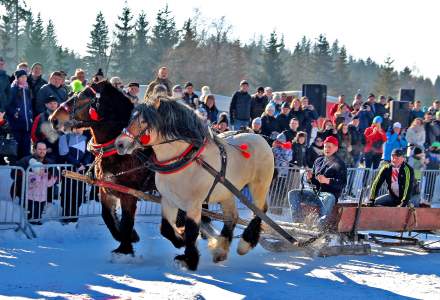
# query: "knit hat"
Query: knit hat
{"points": [[99, 73], [257, 121], [36, 64], [244, 82], [281, 138], [76, 86], [50, 99], [397, 125], [377, 119], [397, 152], [188, 84], [133, 84], [20, 73], [332, 140]]}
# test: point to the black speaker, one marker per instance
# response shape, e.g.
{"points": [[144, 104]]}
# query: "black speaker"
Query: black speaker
{"points": [[407, 95], [317, 94], [399, 112]]}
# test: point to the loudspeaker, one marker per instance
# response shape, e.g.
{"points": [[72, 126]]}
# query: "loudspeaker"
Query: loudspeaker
{"points": [[317, 94], [399, 112], [407, 95]]}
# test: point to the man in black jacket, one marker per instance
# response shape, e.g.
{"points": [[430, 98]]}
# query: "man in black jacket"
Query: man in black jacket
{"points": [[35, 82], [399, 177], [284, 117], [258, 104], [54, 88], [329, 176], [240, 107]]}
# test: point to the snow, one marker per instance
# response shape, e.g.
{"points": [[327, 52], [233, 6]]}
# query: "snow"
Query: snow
{"points": [[74, 262]]}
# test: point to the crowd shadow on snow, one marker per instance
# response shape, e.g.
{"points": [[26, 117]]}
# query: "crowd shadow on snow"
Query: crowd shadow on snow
{"points": [[69, 270]]}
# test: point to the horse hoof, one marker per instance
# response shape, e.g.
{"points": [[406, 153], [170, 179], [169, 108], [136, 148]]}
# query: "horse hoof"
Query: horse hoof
{"points": [[185, 262], [124, 250], [243, 247], [218, 257], [134, 237]]}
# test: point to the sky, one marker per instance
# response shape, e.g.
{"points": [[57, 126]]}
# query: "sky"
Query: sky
{"points": [[405, 30]]}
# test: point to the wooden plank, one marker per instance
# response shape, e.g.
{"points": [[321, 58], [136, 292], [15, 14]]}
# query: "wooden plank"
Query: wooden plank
{"points": [[388, 218]]}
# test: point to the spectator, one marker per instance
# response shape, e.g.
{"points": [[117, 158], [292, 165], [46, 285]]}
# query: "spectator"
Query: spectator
{"points": [[222, 123], [162, 78], [433, 157], [205, 91], [19, 113], [211, 109], [335, 107], [256, 125], [191, 99], [293, 129], [328, 129], [365, 117], [436, 125], [177, 93], [314, 132], [416, 112], [117, 82], [53, 88], [258, 104], [357, 99], [42, 130], [81, 76], [240, 107], [133, 92], [380, 107], [269, 125], [310, 115], [345, 148], [417, 161], [356, 141], [415, 135], [296, 112], [395, 140], [375, 137], [21, 66], [35, 82], [4, 132], [299, 148], [431, 131], [73, 151], [342, 115], [435, 106], [371, 102], [314, 151], [276, 102], [5, 86], [284, 117], [282, 152], [268, 92]]}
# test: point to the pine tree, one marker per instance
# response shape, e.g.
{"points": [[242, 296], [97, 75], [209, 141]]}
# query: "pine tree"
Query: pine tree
{"points": [[341, 75], [189, 34], [406, 79], [6, 47], [387, 80], [35, 51], [437, 87], [273, 69], [165, 35], [122, 56], [322, 61], [141, 51], [99, 45], [51, 47]]}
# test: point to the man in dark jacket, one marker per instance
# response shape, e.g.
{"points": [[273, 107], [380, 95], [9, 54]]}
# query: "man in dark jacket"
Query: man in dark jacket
{"points": [[399, 177], [329, 176], [5, 86], [258, 104], [284, 117], [36, 82], [42, 130], [240, 107], [162, 78], [54, 88], [191, 99], [292, 131], [379, 107]]}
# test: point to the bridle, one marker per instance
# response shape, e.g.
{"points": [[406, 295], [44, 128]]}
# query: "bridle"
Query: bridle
{"points": [[142, 138]]}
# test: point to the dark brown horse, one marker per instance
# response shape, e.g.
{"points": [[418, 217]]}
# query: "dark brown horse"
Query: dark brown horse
{"points": [[106, 111]]}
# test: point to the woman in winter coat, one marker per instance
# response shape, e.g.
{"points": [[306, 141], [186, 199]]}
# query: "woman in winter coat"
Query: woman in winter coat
{"points": [[375, 137], [395, 140], [416, 135], [19, 113], [315, 150], [210, 107], [269, 125], [345, 145], [328, 129], [299, 148]]}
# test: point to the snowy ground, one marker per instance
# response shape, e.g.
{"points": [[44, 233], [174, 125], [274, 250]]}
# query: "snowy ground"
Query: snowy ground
{"points": [[73, 262]]}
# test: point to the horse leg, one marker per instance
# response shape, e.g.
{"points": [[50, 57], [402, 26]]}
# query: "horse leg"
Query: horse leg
{"points": [[251, 234], [219, 245], [167, 226], [108, 203], [192, 225], [128, 234]]}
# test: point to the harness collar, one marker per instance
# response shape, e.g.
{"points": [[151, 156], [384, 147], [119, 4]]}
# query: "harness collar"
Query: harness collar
{"points": [[104, 150]]}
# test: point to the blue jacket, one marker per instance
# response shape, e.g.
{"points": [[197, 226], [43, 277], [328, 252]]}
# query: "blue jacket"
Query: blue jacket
{"points": [[365, 119], [19, 109], [49, 90], [394, 141]]}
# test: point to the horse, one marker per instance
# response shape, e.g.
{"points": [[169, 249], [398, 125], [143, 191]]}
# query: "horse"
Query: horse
{"points": [[105, 110], [180, 140]]}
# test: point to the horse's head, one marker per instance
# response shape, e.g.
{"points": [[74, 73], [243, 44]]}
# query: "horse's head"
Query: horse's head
{"points": [[160, 121], [98, 102]]}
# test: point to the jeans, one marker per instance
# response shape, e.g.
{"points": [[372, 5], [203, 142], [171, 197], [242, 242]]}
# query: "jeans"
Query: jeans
{"points": [[240, 123], [372, 160], [387, 200], [325, 202]]}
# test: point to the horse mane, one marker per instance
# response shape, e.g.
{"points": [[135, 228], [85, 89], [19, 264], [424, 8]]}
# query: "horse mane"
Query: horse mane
{"points": [[115, 105], [173, 120]]}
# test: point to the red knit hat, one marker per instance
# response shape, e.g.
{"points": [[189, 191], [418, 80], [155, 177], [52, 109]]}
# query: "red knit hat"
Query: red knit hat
{"points": [[333, 140]]}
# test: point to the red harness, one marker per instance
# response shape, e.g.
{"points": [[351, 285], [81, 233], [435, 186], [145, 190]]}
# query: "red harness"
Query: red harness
{"points": [[103, 150]]}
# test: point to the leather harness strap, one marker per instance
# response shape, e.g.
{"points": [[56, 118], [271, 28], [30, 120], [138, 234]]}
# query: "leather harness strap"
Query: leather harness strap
{"points": [[220, 176], [104, 150]]}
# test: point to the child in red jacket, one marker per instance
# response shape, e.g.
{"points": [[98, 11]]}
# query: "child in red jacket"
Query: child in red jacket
{"points": [[375, 137]]}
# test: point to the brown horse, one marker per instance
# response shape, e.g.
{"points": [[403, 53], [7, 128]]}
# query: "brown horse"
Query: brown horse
{"points": [[106, 111], [180, 140]]}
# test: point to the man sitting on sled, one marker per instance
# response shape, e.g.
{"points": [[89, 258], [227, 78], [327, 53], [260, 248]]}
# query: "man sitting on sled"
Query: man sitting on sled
{"points": [[329, 176]]}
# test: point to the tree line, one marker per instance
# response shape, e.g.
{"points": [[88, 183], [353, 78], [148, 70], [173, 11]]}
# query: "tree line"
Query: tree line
{"points": [[204, 53]]}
